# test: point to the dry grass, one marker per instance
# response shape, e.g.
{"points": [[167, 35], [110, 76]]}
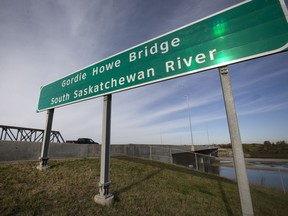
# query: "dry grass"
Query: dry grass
{"points": [[141, 187]]}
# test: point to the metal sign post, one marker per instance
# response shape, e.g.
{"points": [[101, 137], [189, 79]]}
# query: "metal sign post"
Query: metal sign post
{"points": [[238, 155], [104, 197], [45, 144]]}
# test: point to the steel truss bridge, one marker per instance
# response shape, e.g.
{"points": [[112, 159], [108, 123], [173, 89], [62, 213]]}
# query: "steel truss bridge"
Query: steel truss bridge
{"points": [[12, 133]]}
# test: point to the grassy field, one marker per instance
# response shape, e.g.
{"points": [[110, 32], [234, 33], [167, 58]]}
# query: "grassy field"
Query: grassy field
{"points": [[141, 187]]}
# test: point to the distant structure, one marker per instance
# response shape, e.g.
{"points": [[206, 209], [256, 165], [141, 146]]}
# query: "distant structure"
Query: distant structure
{"points": [[12, 133]]}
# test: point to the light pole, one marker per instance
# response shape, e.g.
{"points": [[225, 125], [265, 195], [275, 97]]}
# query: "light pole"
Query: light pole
{"points": [[191, 133], [207, 130]]}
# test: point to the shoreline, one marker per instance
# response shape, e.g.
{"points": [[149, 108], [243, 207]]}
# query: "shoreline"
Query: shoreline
{"points": [[271, 160], [251, 163]]}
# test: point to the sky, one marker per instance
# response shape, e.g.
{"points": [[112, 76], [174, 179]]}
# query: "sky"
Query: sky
{"points": [[42, 41]]}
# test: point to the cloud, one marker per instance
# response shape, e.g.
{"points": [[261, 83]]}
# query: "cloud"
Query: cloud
{"points": [[42, 41], [265, 109]]}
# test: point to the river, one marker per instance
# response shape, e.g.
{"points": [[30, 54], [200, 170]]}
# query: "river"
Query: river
{"points": [[265, 173]]}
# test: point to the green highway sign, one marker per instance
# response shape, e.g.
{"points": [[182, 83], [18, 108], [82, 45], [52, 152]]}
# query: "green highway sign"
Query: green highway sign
{"points": [[245, 31]]}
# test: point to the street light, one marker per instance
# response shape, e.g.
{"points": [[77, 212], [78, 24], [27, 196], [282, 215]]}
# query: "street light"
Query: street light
{"points": [[207, 130], [188, 106]]}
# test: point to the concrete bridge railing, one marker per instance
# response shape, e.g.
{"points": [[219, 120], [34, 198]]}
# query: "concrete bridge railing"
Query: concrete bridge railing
{"points": [[11, 150]]}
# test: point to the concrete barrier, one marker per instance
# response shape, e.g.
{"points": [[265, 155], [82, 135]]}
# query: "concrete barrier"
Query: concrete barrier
{"points": [[11, 150]]}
